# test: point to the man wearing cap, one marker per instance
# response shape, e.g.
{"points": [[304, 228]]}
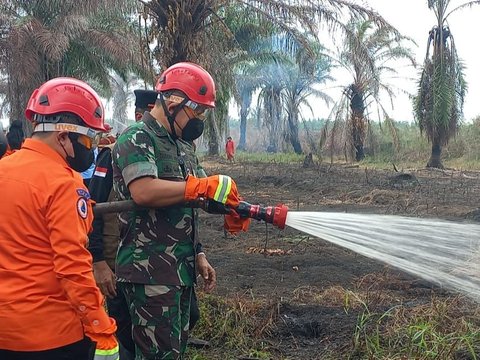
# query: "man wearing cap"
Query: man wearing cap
{"points": [[145, 101], [50, 307], [105, 235], [154, 164]]}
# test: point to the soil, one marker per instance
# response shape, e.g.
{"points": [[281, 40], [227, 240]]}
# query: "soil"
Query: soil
{"points": [[306, 327]]}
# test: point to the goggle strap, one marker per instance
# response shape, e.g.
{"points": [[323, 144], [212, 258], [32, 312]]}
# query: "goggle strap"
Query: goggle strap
{"points": [[83, 130], [178, 99]]}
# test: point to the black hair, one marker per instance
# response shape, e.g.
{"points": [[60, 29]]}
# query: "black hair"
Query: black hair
{"points": [[15, 135]]}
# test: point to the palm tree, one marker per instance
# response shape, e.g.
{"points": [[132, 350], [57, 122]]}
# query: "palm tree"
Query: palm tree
{"points": [[310, 69], [245, 87], [438, 105], [122, 96], [271, 104], [250, 34], [379, 46], [286, 82], [49, 38], [195, 30]]}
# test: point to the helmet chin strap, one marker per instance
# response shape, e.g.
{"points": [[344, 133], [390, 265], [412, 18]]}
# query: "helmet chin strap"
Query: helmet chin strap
{"points": [[171, 116]]}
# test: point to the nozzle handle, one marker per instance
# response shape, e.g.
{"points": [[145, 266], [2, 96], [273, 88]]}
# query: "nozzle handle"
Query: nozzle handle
{"points": [[211, 206]]}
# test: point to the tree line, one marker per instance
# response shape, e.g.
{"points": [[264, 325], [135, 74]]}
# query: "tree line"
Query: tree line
{"points": [[265, 55]]}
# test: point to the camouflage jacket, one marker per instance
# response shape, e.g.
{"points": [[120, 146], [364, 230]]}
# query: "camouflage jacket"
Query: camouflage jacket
{"points": [[103, 240], [156, 245]]}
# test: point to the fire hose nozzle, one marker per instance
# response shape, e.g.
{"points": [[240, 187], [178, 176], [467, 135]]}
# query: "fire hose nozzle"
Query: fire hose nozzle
{"points": [[275, 215]]}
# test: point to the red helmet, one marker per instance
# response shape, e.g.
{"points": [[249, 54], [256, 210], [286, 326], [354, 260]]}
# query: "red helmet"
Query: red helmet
{"points": [[191, 79], [65, 94]]}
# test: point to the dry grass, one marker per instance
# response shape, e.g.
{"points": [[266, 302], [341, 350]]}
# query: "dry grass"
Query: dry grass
{"points": [[236, 323]]}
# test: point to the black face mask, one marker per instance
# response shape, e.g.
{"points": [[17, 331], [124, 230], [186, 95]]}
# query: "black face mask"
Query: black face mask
{"points": [[83, 157], [193, 129]]}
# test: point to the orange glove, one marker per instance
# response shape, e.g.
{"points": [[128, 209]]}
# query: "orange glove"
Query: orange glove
{"points": [[234, 223], [220, 188]]}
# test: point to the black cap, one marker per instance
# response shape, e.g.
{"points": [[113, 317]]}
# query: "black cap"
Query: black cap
{"points": [[145, 99]]}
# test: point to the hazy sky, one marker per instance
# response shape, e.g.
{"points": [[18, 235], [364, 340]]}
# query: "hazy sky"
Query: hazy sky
{"points": [[413, 19]]}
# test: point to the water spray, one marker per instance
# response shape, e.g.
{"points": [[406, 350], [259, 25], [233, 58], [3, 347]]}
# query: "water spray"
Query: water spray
{"points": [[443, 252]]}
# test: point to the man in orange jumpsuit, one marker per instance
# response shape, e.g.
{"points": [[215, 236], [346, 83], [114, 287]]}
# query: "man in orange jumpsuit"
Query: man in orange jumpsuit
{"points": [[50, 307], [230, 149]]}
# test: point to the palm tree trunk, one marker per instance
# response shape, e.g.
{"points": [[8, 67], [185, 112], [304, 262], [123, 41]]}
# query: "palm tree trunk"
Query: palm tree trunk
{"points": [[357, 105], [242, 143], [435, 160], [293, 132], [359, 152], [358, 135], [211, 134]]}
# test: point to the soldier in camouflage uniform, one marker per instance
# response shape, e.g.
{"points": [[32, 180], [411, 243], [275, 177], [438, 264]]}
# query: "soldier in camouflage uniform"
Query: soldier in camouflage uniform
{"points": [[155, 165]]}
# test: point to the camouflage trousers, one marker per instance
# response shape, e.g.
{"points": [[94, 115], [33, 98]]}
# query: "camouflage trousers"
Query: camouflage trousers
{"points": [[160, 319]]}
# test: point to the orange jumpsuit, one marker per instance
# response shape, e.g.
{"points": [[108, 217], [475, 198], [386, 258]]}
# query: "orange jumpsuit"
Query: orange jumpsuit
{"points": [[48, 296], [8, 152], [230, 149]]}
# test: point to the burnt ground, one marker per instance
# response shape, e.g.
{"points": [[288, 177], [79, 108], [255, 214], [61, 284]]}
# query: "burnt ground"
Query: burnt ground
{"points": [[308, 284]]}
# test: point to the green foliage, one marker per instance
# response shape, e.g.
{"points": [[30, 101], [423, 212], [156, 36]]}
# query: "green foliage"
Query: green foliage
{"points": [[283, 158], [433, 331], [409, 150], [47, 39], [462, 152], [438, 105], [447, 328], [235, 325]]}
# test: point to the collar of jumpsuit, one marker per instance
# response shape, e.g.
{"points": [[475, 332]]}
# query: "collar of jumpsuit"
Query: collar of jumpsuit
{"points": [[46, 215], [42, 148]]}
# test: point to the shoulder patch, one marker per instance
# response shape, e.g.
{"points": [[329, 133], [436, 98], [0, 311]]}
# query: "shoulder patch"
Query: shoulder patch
{"points": [[83, 194], [82, 207]]}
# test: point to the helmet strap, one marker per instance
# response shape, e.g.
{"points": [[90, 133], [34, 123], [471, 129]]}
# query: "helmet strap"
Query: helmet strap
{"points": [[171, 116]]}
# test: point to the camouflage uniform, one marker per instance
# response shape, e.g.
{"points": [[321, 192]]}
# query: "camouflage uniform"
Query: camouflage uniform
{"points": [[155, 263]]}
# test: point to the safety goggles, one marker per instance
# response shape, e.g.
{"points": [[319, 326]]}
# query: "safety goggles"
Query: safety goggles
{"points": [[86, 136], [192, 113], [197, 109], [89, 142]]}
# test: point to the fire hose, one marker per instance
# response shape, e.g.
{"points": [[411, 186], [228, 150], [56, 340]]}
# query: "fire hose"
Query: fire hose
{"points": [[275, 215]]}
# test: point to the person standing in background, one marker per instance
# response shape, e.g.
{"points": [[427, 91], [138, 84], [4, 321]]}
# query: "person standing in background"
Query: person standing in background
{"points": [[230, 149], [105, 236], [15, 135]]}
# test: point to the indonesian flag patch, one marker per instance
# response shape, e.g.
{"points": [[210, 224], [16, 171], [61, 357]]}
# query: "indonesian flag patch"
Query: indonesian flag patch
{"points": [[100, 171]]}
